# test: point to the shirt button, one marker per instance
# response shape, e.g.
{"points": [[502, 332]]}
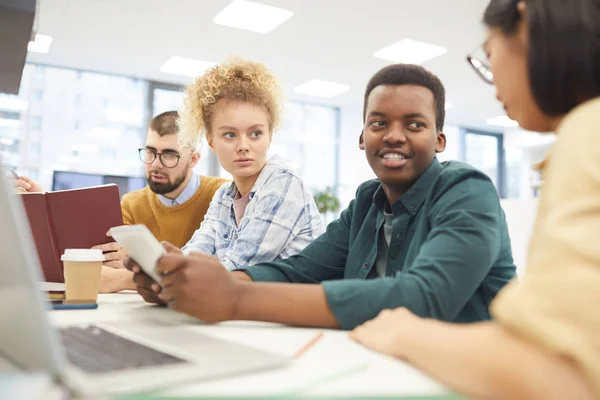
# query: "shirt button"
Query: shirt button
{"points": [[366, 265], [226, 235]]}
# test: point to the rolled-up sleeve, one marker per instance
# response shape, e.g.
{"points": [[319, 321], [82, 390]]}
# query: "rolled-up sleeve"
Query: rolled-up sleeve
{"points": [[323, 259]]}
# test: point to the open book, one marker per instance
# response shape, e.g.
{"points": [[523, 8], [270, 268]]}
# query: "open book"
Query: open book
{"points": [[70, 219]]}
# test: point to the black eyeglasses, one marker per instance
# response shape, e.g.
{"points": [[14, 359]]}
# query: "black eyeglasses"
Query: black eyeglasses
{"points": [[169, 160], [480, 63]]}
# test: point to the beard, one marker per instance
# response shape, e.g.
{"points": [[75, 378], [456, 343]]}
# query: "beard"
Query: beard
{"points": [[168, 187]]}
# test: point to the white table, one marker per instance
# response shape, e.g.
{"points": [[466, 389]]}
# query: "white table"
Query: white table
{"points": [[334, 366]]}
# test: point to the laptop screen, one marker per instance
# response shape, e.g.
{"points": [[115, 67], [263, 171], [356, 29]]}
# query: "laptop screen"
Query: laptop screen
{"points": [[28, 342], [65, 180]]}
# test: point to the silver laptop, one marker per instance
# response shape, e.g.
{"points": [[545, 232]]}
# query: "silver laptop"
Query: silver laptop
{"points": [[121, 356]]}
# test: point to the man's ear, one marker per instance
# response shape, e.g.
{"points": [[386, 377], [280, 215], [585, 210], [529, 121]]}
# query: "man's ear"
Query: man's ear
{"points": [[361, 140], [194, 158], [440, 144]]}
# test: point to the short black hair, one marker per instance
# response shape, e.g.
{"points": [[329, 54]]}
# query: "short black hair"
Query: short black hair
{"points": [[411, 74], [165, 123], [564, 48]]}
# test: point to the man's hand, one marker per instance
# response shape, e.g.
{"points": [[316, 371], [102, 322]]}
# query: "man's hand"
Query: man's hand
{"points": [[114, 255], [26, 185], [114, 280], [146, 286], [198, 285]]}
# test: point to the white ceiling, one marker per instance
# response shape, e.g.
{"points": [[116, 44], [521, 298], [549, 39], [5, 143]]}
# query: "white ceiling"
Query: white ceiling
{"points": [[325, 39]]}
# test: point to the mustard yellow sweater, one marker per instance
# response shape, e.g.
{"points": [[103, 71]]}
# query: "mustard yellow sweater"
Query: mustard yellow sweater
{"points": [[174, 224]]}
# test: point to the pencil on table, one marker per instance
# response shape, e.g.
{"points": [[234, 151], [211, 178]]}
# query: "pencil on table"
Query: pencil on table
{"points": [[308, 345]]}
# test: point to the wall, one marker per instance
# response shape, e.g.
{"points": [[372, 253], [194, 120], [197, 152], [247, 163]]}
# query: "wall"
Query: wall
{"points": [[520, 217]]}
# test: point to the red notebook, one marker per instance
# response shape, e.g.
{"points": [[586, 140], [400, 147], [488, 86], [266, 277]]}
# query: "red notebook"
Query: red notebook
{"points": [[70, 219]]}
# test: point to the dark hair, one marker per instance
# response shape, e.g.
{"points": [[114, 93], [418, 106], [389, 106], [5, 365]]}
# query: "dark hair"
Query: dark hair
{"points": [[564, 48], [165, 123], [410, 74]]}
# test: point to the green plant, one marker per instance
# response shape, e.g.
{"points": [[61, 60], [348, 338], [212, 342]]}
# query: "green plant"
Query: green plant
{"points": [[326, 201]]}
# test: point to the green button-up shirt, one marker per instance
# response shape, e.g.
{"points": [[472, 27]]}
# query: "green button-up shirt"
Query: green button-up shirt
{"points": [[448, 257]]}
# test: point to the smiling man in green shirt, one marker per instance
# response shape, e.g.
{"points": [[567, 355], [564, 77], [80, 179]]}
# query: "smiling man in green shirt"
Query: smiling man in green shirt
{"points": [[425, 235]]}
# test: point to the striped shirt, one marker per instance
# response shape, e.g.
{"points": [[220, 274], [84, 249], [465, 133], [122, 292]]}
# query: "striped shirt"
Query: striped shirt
{"points": [[280, 220]]}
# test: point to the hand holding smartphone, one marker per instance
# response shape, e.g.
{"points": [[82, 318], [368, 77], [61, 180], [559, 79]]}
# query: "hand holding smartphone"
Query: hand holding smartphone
{"points": [[141, 246]]}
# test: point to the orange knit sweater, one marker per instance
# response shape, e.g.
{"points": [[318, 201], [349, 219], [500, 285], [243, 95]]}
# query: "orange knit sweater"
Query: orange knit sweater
{"points": [[175, 224]]}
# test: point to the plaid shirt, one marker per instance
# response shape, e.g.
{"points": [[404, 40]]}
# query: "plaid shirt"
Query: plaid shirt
{"points": [[280, 220]]}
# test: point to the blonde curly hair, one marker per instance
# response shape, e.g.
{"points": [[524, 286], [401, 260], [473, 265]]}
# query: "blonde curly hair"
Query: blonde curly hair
{"points": [[234, 80]]}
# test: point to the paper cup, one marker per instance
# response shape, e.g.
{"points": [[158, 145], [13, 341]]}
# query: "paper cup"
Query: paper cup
{"points": [[82, 269]]}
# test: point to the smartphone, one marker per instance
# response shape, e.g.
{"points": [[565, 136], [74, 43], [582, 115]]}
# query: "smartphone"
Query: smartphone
{"points": [[141, 246], [62, 305]]}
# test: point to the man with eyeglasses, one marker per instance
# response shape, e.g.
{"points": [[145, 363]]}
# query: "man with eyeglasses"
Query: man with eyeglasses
{"points": [[173, 204]]}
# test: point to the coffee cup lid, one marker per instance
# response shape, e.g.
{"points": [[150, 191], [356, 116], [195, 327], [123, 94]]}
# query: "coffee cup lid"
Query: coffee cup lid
{"points": [[83, 255]]}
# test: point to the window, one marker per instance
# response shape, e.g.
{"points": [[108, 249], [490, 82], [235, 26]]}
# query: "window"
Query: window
{"points": [[481, 151], [9, 145], [515, 163], [166, 100], [453, 144], [523, 150], [34, 150], [32, 173], [38, 96], [9, 151], [91, 122], [10, 127], [484, 151], [308, 138], [39, 73], [106, 153], [86, 119], [10, 115], [35, 123]]}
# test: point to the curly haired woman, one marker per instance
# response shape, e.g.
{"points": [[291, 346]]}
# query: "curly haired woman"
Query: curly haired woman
{"points": [[267, 212]]}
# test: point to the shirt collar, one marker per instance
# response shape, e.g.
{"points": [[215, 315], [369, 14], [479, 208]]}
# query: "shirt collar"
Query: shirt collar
{"points": [[413, 199], [186, 193], [272, 165]]}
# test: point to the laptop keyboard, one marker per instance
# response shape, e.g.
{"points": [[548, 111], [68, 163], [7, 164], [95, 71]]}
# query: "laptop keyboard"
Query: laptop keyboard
{"points": [[96, 350]]}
